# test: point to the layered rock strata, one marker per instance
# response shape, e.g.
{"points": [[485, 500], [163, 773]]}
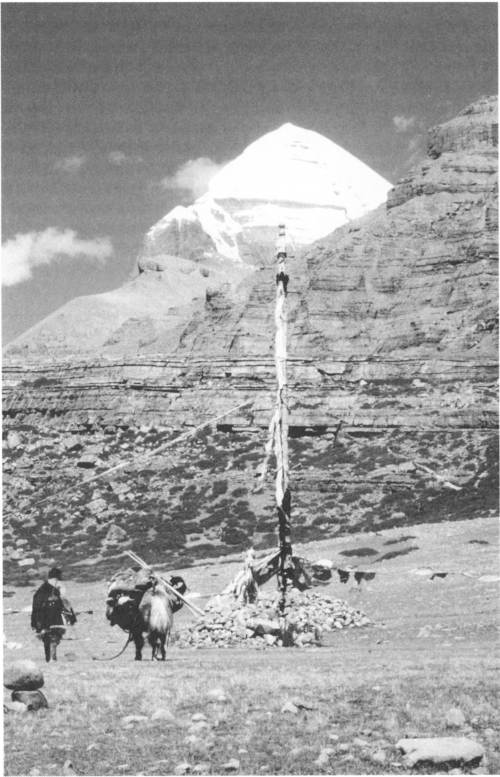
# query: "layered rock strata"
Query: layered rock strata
{"points": [[393, 320], [393, 325]]}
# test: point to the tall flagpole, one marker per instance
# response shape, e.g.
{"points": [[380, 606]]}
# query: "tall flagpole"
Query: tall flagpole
{"points": [[283, 496]]}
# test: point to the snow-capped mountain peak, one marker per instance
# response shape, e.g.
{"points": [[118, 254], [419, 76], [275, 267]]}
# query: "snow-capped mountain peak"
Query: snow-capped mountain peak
{"points": [[293, 164], [291, 175]]}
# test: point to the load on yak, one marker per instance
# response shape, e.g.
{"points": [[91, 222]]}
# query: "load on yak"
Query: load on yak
{"points": [[144, 602]]}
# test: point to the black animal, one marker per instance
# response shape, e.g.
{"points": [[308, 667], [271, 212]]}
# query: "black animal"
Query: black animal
{"points": [[145, 609]]}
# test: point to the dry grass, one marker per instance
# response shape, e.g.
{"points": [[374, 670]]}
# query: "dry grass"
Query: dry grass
{"points": [[349, 695], [433, 646]]}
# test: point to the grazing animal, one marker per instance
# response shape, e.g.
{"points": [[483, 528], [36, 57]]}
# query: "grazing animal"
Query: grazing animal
{"points": [[156, 612], [145, 609]]}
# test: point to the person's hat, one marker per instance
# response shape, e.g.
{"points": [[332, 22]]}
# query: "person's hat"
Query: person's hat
{"points": [[55, 572]]}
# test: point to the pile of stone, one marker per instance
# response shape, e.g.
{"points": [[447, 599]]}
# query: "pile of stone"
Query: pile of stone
{"points": [[229, 623], [24, 678]]}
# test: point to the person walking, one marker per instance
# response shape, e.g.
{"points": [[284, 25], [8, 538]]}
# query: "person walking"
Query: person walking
{"points": [[51, 612]]}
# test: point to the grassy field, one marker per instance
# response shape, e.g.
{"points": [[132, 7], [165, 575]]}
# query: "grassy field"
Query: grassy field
{"points": [[432, 646], [377, 699]]}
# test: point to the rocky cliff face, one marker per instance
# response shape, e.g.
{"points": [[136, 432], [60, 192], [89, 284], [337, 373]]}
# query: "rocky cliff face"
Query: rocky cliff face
{"points": [[404, 294], [393, 354]]}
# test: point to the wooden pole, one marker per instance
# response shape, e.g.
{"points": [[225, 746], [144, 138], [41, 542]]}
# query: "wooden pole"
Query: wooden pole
{"points": [[283, 495]]}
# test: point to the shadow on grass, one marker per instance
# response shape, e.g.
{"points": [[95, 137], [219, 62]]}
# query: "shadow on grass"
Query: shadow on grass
{"points": [[396, 553]]}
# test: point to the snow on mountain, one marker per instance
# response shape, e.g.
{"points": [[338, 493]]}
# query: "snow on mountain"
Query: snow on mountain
{"points": [[298, 165], [291, 175]]}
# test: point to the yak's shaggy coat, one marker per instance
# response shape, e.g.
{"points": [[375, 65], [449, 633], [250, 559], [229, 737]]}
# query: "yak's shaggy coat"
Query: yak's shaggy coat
{"points": [[156, 613]]}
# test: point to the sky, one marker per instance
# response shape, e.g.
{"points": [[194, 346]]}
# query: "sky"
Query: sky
{"points": [[114, 113]]}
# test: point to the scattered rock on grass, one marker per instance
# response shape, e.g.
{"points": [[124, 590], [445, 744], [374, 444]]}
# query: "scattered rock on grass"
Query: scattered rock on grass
{"points": [[68, 769], [231, 766], [196, 744], [324, 757], [14, 706], [217, 694], [133, 719], [197, 727], [163, 714], [34, 700], [290, 707], [455, 718], [441, 750], [302, 704], [183, 768], [201, 768], [379, 757], [23, 675]]}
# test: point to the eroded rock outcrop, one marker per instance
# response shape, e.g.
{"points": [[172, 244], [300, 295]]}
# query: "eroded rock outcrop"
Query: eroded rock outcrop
{"points": [[393, 325], [393, 319]]}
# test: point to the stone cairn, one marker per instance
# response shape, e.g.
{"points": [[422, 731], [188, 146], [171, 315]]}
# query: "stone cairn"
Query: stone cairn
{"points": [[229, 622], [24, 678]]}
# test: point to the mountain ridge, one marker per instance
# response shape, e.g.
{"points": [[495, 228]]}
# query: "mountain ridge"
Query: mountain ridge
{"points": [[222, 236], [284, 171], [434, 243], [392, 373]]}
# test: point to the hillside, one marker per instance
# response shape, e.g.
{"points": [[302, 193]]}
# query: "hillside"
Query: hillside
{"points": [[291, 175], [393, 365]]}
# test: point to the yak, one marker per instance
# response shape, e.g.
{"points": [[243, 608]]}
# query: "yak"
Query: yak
{"points": [[146, 608]]}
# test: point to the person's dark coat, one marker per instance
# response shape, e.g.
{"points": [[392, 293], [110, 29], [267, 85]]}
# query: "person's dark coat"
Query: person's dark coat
{"points": [[47, 608]]}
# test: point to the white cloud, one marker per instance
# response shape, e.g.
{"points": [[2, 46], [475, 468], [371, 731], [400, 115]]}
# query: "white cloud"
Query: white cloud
{"points": [[70, 164], [24, 252], [119, 158], [403, 123], [194, 176]]}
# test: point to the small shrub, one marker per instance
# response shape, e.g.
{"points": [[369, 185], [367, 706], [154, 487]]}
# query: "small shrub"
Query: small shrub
{"points": [[405, 538], [219, 488], [192, 527], [352, 496], [265, 525], [362, 552], [43, 381], [233, 536], [242, 491]]}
